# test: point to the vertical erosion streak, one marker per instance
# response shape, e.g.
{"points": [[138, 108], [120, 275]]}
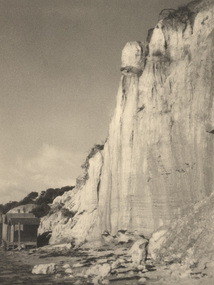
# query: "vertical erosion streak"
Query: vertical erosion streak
{"points": [[130, 89]]}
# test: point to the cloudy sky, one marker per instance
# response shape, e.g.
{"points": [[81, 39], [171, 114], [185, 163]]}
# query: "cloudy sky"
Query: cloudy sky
{"points": [[59, 74]]}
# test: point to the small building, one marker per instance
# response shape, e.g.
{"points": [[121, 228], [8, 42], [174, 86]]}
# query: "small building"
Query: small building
{"points": [[19, 230], [0, 227]]}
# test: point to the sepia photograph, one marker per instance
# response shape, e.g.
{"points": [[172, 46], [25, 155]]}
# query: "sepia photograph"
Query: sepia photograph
{"points": [[107, 142]]}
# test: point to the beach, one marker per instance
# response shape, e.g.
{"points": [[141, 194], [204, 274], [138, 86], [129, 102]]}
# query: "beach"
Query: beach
{"points": [[72, 265]]}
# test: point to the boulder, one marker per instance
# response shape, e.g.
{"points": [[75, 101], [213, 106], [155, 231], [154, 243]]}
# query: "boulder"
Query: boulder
{"points": [[142, 281], [155, 242], [138, 251], [66, 266], [100, 270], [209, 268], [44, 269], [68, 271]]}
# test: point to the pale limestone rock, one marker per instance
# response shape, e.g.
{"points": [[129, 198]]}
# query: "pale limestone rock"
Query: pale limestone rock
{"points": [[190, 239], [158, 158], [68, 271], [142, 281], [159, 155], [179, 272], [66, 266], [100, 270], [122, 238], [138, 251], [77, 265], [156, 242], [209, 269], [115, 264], [105, 282], [82, 201], [44, 269], [78, 282], [132, 55]]}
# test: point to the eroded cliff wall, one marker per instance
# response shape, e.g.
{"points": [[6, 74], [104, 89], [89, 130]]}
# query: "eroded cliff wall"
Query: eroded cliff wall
{"points": [[159, 155]]}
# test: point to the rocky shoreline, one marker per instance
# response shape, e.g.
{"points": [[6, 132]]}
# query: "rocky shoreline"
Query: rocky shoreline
{"points": [[122, 260]]}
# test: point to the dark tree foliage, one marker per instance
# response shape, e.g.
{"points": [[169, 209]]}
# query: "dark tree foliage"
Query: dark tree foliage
{"points": [[8, 206], [47, 197], [29, 199], [67, 213], [50, 194], [42, 201], [41, 210]]}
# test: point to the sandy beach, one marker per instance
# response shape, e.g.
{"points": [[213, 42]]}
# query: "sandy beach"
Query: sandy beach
{"points": [[16, 268]]}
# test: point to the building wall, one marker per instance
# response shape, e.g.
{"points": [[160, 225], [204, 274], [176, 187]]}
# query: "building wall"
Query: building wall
{"points": [[4, 231], [29, 234], [0, 232]]}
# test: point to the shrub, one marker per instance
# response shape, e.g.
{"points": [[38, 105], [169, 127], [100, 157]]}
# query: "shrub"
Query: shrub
{"points": [[41, 210], [66, 213]]}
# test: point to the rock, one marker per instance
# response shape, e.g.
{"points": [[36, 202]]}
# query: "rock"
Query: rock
{"points": [[123, 237], [68, 271], [209, 269], [120, 251], [132, 55], [155, 242], [76, 265], [58, 275], [31, 251], [96, 280], [141, 267], [158, 158], [179, 272], [102, 260], [121, 260], [92, 245], [186, 238], [78, 282], [100, 270], [44, 269], [115, 264], [71, 276], [138, 251], [142, 281], [105, 282], [66, 266]]}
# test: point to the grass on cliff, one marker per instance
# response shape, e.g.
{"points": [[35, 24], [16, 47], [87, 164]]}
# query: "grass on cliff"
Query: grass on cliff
{"points": [[81, 180], [182, 14], [96, 148]]}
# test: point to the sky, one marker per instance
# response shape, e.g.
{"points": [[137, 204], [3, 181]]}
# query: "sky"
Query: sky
{"points": [[59, 75]]}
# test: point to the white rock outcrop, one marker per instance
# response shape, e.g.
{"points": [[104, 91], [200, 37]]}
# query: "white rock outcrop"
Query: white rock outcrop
{"points": [[76, 223], [138, 252], [159, 155], [44, 269]]}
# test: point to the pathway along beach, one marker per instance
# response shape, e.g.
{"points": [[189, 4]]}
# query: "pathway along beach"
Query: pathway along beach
{"points": [[16, 267], [13, 271]]}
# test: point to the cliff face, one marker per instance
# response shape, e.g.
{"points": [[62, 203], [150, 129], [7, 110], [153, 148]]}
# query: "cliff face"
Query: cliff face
{"points": [[187, 239], [159, 155]]}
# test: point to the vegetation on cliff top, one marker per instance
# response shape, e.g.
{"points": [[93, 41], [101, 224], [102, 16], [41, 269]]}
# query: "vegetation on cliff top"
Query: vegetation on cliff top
{"points": [[42, 201]]}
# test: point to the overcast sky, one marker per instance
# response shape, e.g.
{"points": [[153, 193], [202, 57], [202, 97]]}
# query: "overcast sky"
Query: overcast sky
{"points": [[59, 74]]}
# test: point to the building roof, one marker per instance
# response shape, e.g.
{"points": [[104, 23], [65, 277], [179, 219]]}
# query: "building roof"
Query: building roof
{"points": [[20, 215], [24, 221], [22, 218]]}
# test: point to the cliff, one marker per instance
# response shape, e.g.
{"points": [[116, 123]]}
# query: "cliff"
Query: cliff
{"points": [[158, 158], [187, 239]]}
